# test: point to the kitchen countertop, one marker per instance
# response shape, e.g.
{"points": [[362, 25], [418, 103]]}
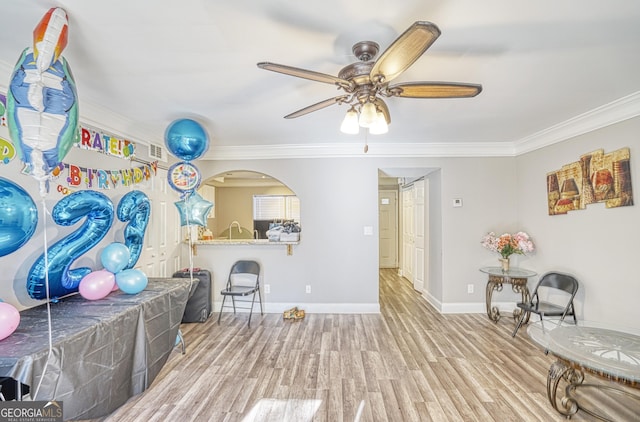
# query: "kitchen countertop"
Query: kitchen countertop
{"points": [[242, 242]]}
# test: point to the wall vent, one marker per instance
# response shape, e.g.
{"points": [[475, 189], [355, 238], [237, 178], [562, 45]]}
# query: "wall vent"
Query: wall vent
{"points": [[157, 152]]}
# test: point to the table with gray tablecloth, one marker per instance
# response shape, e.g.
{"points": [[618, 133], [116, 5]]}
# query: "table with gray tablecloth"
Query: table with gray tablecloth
{"points": [[104, 351]]}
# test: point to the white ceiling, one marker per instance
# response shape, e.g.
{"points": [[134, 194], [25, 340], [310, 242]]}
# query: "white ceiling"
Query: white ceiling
{"points": [[549, 69]]}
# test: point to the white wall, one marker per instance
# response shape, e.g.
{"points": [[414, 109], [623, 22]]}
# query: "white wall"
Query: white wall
{"points": [[598, 245], [15, 267]]}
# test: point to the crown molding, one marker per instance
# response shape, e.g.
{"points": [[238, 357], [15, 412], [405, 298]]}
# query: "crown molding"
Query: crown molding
{"points": [[614, 112], [341, 150], [608, 114]]}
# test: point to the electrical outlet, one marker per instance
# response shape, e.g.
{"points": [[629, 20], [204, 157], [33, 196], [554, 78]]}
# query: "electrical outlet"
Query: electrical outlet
{"points": [[469, 288], [267, 288], [308, 289]]}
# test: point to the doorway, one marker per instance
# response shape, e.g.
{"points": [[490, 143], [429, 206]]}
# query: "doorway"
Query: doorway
{"points": [[412, 241]]}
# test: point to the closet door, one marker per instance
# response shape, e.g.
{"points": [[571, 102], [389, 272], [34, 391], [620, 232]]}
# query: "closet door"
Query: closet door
{"points": [[419, 235], [158, 257], [408, 232]]}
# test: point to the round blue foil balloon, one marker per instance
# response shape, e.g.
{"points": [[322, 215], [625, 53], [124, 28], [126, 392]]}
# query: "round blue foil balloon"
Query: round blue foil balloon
{"points": [[186, 139], [19, 217]]}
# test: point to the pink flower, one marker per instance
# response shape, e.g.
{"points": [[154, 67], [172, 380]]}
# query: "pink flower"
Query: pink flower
{"points": [[508, 244]]}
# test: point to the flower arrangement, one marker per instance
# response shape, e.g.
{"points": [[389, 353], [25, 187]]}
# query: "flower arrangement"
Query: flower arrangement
{"points": [[508, 244]]}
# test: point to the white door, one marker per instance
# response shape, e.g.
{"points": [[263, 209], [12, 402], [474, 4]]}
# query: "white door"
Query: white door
{"points": [[388, 223], [419, 235], [158, 255], [408, 230]]}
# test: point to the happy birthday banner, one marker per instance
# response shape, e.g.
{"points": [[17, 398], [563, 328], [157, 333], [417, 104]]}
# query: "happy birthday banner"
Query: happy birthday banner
{"points": [[104, 179], [95, 140]]}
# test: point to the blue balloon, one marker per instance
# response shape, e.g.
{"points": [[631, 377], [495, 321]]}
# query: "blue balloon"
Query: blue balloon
{"points": [[131, 281], [98, 210], [115, 257], [135, 208], [186, 139], [193, 210], [18, 217]]}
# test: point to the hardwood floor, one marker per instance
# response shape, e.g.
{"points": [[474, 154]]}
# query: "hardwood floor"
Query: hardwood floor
{"points": [[409, 363]]}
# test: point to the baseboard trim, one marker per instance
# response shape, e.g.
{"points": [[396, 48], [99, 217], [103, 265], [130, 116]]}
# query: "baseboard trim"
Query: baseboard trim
{"points": [[312, 308], [467, 308]]}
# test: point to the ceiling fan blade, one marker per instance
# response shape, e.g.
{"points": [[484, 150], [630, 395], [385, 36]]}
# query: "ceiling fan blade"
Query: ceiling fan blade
{"points": [[433, 90], [306, 74], [382, 106], [318, 106], [404, 51]]}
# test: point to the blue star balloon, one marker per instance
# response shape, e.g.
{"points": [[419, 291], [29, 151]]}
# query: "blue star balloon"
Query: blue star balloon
{"points": [[194, 210]]}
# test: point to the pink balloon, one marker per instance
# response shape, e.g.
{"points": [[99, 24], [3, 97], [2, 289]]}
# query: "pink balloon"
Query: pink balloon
{"points": [[97, 284], [9, 320]]}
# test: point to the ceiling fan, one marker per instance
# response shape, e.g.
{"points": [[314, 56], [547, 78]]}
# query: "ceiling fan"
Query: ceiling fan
{"points": [[367, 80]]}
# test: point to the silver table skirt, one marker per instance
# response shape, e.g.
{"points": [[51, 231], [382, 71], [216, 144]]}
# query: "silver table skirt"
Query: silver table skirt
{"points": [[104, 351]]}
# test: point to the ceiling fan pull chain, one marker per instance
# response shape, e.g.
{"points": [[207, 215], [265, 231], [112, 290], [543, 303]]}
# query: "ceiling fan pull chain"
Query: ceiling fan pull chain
{"points": [[366, 140]]}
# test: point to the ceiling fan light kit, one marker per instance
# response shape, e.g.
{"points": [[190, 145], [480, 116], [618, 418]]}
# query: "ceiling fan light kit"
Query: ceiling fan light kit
{"points": [[350, 123], [379, 126], [367, 80], [367, 114]]}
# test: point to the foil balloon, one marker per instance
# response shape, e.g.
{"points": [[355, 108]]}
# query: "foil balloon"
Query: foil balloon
{"points": [[42, 110], [135, 209], [186, 139], [18, 215], [193, 210], [9, 320], [184, 177], [98, 210]]}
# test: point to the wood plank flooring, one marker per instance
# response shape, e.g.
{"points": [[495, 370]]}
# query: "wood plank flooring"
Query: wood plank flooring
{"points": [[409, 363]]}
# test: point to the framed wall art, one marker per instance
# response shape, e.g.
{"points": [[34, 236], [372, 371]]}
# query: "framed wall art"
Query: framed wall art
{"points": [[597, 177]]}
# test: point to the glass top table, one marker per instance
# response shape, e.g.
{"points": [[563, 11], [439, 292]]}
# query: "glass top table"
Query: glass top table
{"points": [[515, 276], [604, 350]]}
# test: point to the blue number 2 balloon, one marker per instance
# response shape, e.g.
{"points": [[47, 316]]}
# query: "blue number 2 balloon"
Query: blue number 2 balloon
{"points": [[135, 208], [98, 209]]}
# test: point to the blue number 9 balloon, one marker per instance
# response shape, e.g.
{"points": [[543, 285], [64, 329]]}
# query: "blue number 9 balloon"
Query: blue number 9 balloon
{"points": [[18, 217], [135, 209]]}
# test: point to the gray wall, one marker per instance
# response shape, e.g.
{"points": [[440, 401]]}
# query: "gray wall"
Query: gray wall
{"points": [[338, 197], [597, 244]]}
